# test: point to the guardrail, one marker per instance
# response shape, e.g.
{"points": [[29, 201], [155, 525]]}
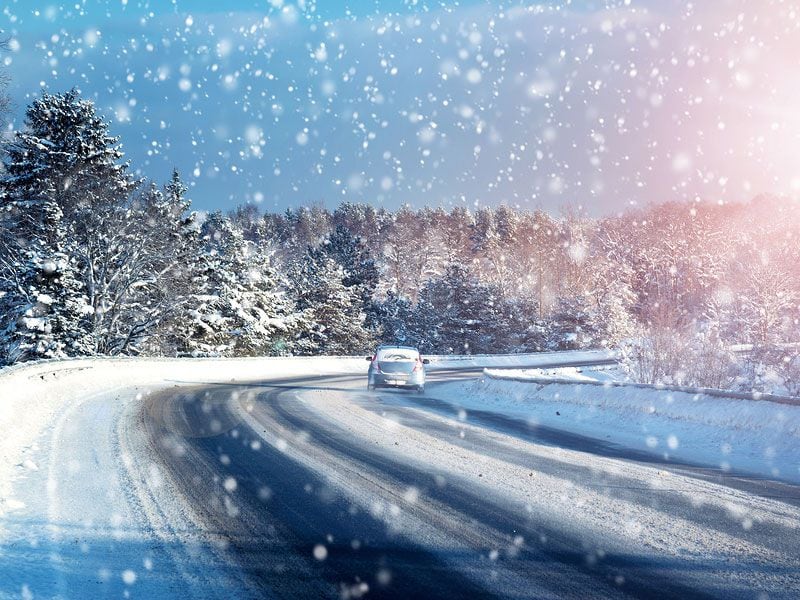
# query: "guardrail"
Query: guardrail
{"points": [[52, 366]]}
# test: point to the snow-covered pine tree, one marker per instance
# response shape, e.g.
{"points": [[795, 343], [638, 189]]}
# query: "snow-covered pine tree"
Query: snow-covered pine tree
{"points": [[570, 325], [205, 326], [455, 314], [55, 172], [525, 333], [364, 221], [358, 265], [331, 310], [66, 152], [395, 316], [426, 323], [265, 312], [66, 162], [360, 272], [149, 271], [43, 308], [238, 307]]}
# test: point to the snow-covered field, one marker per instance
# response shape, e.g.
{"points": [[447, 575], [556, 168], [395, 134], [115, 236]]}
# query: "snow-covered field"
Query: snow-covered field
{"points": [[758, 437]]}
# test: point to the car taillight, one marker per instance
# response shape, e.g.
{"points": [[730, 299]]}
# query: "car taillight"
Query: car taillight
{"points": [[377, 365], [417, 366]]}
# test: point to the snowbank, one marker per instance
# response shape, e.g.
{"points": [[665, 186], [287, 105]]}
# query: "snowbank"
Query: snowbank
{"points": [[601, 374], [31, 395], [612, 377], [719, 430]]}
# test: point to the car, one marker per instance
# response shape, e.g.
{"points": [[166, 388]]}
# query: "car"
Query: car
{"points": [[396, 366]]}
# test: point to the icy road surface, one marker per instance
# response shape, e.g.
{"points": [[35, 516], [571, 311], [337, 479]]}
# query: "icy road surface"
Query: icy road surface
{"points": [[311, 486]]}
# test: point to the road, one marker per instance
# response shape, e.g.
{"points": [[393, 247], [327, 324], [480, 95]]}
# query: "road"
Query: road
{"points": [[316, 487]]}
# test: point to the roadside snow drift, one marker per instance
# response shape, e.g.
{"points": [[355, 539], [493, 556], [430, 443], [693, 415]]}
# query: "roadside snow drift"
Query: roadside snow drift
{"points": [[31, 396], [758, 437], [508, 361]]}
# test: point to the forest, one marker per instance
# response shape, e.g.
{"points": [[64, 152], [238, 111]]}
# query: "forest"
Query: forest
{"points": [[96, 261]]}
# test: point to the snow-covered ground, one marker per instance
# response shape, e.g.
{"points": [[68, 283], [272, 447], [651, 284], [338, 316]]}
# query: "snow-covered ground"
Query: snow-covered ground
{"points": [[34, 396], [79, 495], [84, 501], [758, 437]]}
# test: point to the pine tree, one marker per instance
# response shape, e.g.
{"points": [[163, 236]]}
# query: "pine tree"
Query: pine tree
{"points": [[525, 333], [570, 324], [62, 173], [66, 154], [265, 313], [60, 182], [456, 314], [206, 326], [238, 307], [360, 272], [394, 315], [331, 310], [42, 305]]}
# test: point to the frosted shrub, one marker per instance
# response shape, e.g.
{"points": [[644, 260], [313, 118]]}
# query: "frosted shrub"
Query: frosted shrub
{"points": [[711, 363], [772, 369], [661, 355], [656, 355]]}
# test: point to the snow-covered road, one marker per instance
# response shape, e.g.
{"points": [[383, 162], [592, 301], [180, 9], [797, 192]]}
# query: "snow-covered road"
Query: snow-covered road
{"points": [[303, 483]]}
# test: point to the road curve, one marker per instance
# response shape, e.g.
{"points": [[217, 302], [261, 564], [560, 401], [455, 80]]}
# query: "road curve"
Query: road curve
{"points": [[315, 487]]}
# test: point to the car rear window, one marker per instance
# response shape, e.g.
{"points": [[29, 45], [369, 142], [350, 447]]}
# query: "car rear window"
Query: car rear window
{"points": [[389, 354]]}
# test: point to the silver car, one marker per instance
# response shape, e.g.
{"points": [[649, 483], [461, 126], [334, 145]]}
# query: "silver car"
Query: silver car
{"points": [[396, 366]]}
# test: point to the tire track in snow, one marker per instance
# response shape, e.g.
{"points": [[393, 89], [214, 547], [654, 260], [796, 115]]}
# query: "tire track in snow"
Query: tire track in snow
{"points": [[463, 541], [554, 562], [321, 471], [734, 564], [203, 571], [277, 540], [739, 510]]}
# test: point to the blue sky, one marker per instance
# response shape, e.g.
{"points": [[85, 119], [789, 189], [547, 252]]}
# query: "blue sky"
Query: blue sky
{"points": [[603, 105]]}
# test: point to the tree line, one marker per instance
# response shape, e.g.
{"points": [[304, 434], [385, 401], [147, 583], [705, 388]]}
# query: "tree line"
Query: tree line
{"points": [[94, 261]]}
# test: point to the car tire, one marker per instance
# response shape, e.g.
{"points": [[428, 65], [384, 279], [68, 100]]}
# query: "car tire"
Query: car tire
{"points": [[420, 389]]}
